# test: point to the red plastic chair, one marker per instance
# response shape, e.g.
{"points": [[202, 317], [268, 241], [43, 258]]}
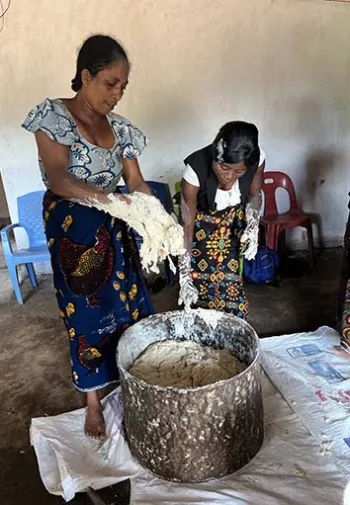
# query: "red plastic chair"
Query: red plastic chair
{"points": [[276, 223]]}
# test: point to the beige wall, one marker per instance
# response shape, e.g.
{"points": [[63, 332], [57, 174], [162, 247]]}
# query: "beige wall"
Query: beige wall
{"points": [[284, 64]]}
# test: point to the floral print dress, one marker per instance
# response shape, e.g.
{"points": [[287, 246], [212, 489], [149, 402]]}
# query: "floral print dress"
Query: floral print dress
{"points": [[98, 281]]}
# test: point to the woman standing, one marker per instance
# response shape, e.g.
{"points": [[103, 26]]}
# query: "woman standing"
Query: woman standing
{"points": [[221, 202], [84, 150]]}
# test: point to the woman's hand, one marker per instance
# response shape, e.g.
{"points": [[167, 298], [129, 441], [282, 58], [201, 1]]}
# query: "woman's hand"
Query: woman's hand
{"points": [[188, 292], [124, 198], [250, 235]]}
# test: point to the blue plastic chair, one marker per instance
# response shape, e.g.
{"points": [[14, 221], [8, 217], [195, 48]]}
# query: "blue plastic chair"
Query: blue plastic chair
{"points": [[30, 218], [162, 192]]}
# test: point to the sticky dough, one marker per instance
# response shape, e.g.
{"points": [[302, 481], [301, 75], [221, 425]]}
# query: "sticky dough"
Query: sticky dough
{"points": [[185, 364], [161, 235]]}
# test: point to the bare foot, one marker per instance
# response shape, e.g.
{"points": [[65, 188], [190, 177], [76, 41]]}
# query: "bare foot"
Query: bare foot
{"points": [[341, 352], [95, 426]]}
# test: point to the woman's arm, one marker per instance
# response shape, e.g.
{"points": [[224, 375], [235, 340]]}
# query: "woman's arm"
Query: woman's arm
{"points": [[254, 197], [251, 232], [189, 195], [55, 159], [188, 293], [133, 177]]}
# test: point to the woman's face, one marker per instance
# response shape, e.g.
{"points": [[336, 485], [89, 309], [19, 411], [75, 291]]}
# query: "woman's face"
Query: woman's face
{"points": [[106, 89], [228, 173]]}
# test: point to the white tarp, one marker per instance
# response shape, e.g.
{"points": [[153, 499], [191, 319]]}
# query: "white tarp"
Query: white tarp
{"points": [[70, 462], [315, 381], [305, 457]]}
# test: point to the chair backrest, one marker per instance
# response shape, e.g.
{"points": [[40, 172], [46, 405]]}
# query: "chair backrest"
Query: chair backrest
{"points": [[30, 217], [162, 191], [272, 182]]}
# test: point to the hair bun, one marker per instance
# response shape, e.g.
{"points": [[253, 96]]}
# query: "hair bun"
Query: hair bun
{"points": [[74, 85]]}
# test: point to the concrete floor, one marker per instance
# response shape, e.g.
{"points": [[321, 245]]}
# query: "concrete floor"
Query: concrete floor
{"points": [[34, 363]]}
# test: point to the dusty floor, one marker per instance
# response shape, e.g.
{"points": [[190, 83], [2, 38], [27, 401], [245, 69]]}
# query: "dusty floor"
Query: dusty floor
{"points": [[34, 365]]}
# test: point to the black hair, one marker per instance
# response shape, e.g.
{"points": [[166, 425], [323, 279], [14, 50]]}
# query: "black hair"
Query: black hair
{"points": [[97, 53], [237, 141]]}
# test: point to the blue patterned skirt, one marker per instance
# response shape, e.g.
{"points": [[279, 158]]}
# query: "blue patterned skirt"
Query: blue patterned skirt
{"points": [[98, 283]]}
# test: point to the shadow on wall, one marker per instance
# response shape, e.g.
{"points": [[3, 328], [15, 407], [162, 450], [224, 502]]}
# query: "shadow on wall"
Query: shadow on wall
{"points": [[318, 167], [313, 122]]}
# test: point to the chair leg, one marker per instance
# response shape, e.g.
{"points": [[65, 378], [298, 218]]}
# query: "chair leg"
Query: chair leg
{"points": [[272, 233], [310, 242], [281, 244], [282, 241], [262, 235], [15, 283], [31, 274], [269, 236]]}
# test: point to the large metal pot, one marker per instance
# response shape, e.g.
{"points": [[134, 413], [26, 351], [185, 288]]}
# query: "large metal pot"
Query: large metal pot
{"points": [[193, 435]]}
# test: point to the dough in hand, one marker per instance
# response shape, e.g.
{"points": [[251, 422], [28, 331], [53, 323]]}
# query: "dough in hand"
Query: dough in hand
{"points": [[162, 236]]}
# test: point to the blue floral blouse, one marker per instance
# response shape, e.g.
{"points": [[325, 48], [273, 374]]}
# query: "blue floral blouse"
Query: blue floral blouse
{"points": [[97, 166]]}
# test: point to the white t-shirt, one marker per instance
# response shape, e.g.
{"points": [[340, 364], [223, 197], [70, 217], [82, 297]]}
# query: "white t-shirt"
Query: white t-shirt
{"points": [[223, 198]]}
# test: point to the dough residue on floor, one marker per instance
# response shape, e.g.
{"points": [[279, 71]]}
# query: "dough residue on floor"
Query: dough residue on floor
{"points": [[185, 364]]}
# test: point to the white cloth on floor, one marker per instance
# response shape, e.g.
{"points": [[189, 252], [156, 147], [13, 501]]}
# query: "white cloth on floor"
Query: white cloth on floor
{"points": [[70, 462], [305, 457]]}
